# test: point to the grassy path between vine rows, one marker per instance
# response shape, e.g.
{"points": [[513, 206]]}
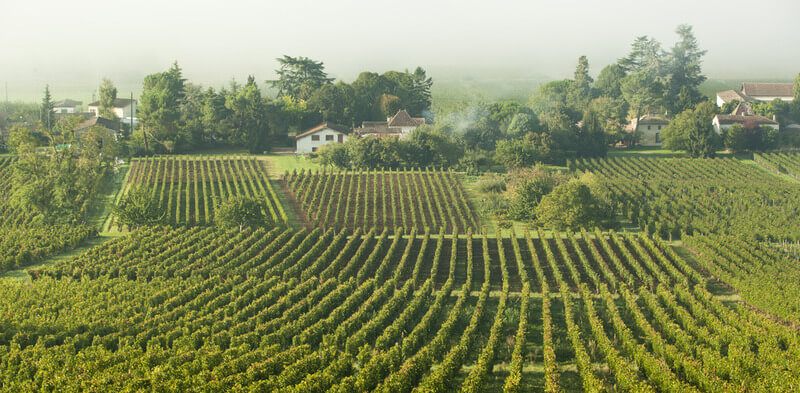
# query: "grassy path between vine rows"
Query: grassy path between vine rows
{"points": [[21, 275]]}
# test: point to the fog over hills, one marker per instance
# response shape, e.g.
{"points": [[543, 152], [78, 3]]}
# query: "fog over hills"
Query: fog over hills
{"points": [[511, 45]]}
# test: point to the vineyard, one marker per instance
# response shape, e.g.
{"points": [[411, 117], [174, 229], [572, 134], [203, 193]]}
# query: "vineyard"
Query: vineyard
{"points": [[314, 310], [188, 187], [24, 241], [786, 163], [417, 199], [671, 196]]}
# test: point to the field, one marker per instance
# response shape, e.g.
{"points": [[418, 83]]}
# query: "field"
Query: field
{"points": [[416, 199], [189, 187], [389, 284], [785, 163], [200, 309], [671, 196]]}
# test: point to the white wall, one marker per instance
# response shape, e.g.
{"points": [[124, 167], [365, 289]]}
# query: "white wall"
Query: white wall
{"points": [[64, 109], [306, 145], [719, 128], [121, 113], [771, 98]]}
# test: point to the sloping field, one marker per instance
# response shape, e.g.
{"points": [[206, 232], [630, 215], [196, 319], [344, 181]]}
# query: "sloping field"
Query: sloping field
{"points": [[189, 187], [201, 309], [417, 199]]}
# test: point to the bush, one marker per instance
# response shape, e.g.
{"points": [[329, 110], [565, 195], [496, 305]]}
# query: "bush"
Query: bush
{"points": [[491, 183], [527, 187], [571, 206], [241, 211]]}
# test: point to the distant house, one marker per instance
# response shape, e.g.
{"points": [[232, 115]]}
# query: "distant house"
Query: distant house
{"points": [[650, 128], [66, 106], [123, 108], [725, 122], [752, 91], [107, 127], [399, 125], [326, 133]]}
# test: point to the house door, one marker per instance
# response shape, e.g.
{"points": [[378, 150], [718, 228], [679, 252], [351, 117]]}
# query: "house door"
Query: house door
{"points": [[340, 138]]}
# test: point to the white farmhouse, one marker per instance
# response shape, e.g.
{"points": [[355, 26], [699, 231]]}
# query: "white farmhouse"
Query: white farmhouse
{"points": [[650, 128], [725, 122], [123, 108], [326, 133], [66, 106]]}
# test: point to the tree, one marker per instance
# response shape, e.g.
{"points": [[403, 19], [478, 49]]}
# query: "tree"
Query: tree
{"points": [[580, 92], [298, 77], [647, 56], [525, 152], [572, 205], [46, 110], [691, 130], [750, 137], [249, 115], [592, 141], [334, 102], [522, 124], [796, 100], [108, 94], [642, 92], [240, 211], [335, 154], [527, 187], [159, 109], [685, 71], [609, 82], [138, 207]]}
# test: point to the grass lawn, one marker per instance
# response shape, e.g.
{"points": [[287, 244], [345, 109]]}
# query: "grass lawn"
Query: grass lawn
{"points": [[280, 163]]}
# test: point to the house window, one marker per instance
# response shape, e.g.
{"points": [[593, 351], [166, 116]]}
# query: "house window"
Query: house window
{"points": [[313, 149], [658, 136], [659, 127], [648, 128], [328, 137], [314, 137], [341, 138]]}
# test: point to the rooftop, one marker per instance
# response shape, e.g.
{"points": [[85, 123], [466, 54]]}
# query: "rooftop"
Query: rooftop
{"points": [[333, 126], [768, 89]]}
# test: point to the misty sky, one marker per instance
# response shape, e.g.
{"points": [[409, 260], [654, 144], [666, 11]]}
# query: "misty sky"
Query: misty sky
{"points": [[72, 44]]}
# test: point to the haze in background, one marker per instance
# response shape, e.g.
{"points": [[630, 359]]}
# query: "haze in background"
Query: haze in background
{"points": [[507, 44]]}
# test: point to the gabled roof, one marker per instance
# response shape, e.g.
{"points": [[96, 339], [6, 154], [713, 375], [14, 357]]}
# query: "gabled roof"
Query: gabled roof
{"points": [[99, 121], [768, 89], [118, 102], [66, 103], [648, 119], [403, 119], [735, 119], [743, 109], [333, 126], [733, 95]]}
